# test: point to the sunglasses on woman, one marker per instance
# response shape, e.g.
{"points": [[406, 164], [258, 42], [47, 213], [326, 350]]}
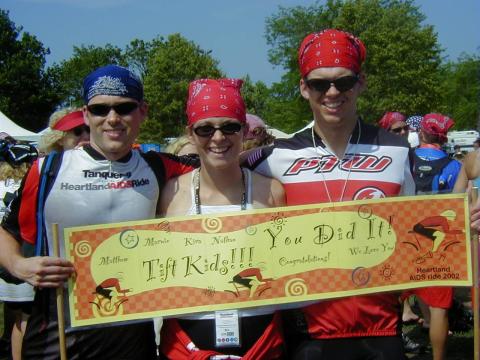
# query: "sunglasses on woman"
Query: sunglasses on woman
{"points": [[209, 130], [79, 130], [342, 84], [398, 130], [124, 108]]}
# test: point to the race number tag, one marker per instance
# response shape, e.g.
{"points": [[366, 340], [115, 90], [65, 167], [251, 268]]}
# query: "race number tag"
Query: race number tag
{"points": [[227, 331]]}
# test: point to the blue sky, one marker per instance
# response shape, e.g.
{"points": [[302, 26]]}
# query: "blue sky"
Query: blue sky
{"points": [[233, 30]]}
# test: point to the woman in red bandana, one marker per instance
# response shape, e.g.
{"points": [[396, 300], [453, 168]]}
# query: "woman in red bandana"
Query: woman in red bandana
{"points": [[216, 126]]}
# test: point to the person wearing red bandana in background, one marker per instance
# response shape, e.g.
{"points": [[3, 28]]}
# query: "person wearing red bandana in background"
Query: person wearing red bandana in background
{"points": [[326, 163], [435, 301], [395, 122], [216, 127]]}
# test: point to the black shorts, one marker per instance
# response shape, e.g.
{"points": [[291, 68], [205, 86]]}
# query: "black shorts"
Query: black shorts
{"points": [[118, 342], [362, 348], [23, 306]]}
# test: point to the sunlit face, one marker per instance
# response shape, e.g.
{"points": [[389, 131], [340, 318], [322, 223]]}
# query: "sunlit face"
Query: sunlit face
{"points": [[75, 136], [400, 128], [332, 108], [221, 149], [112, 134]]}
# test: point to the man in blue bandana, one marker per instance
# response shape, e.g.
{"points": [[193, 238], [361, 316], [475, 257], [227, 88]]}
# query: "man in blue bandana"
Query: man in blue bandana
{"points": [[98, 183]]}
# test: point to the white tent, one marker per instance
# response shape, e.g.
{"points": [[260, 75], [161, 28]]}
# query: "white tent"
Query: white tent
{"points": [[277, 133], [17, 132]]}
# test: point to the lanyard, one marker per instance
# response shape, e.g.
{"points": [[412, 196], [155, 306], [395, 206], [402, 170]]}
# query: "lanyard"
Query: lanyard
{"points": [[196, 181]]}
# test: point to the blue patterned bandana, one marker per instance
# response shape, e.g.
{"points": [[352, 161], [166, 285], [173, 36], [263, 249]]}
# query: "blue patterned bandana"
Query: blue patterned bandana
{"points": [[414, 121], [112, 80]]}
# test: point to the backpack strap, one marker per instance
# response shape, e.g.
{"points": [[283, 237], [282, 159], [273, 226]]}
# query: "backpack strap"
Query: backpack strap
{"points": [[155, 162], [50, 167]]}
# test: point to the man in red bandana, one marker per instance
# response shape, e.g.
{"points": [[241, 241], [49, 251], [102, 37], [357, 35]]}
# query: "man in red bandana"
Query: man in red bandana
{"points": [[328, 163]]}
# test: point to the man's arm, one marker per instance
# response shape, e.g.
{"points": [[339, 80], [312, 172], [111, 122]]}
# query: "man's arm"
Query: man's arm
{"points": [[40, 271]]}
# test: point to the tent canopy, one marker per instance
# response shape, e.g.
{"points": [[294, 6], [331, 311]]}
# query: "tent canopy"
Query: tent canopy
{"points": [[16, 131]]}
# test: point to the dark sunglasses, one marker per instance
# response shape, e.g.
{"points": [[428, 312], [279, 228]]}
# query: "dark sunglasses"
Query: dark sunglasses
{"points": [[342, 84], [124, 108], [398, 130], [209, 130], [79, 130]]}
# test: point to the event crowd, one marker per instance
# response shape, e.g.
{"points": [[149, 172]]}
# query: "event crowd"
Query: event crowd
{"points": [[226, 161]]}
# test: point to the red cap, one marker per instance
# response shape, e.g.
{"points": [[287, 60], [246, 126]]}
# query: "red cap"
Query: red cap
{"points": [[436, 124], [209, 98], [69, 121], [331, 48], [390, 118]]}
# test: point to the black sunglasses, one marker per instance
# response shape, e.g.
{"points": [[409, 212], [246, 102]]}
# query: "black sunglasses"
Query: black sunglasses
{"points": [[79, 130], [124, 108], [209, 130], [342, 84], [398, 130]]}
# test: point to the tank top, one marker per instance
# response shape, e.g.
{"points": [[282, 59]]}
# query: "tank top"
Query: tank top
{"points": [[215, 209]]}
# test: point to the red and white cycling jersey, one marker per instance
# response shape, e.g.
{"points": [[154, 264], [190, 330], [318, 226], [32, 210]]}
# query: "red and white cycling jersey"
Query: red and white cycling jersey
{"points": [[376, 165]]}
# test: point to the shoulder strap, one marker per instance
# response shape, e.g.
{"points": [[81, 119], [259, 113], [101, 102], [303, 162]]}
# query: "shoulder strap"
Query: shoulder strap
{"points": [[50, 167], [155, 162]]}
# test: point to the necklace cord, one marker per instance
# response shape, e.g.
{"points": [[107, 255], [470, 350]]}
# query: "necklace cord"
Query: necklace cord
{"points": [[196, 181], [341, 161]]}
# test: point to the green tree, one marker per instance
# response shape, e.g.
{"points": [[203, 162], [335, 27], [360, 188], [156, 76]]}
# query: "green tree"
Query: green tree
{"points": [[460, 89], [256, 96], [171, 65], [403, 56], [27, 92], [70, 73]]}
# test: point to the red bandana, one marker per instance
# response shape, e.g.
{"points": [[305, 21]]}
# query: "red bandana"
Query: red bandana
{"points": [[209, 98], [436, 124], [331, 48], [391, 118]]}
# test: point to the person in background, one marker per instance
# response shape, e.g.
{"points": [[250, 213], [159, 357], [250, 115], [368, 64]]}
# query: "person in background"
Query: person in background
{"points": [[435, 172], [181, 146], [395, 122], [330, 62], [476, 144], [216, 126], [414, 123], [470, 172], [257, 134], [443, 171], [67, 129], [15, 160], [114, 109], [458, 153]]}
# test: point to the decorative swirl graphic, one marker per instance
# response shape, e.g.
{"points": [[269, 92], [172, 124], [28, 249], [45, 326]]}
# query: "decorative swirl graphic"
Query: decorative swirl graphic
{"points": [[212, 225], [296, 287], [365, 211], [103, 307], [251, 230], [83, 249], [360, 276], [278, 220]]}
